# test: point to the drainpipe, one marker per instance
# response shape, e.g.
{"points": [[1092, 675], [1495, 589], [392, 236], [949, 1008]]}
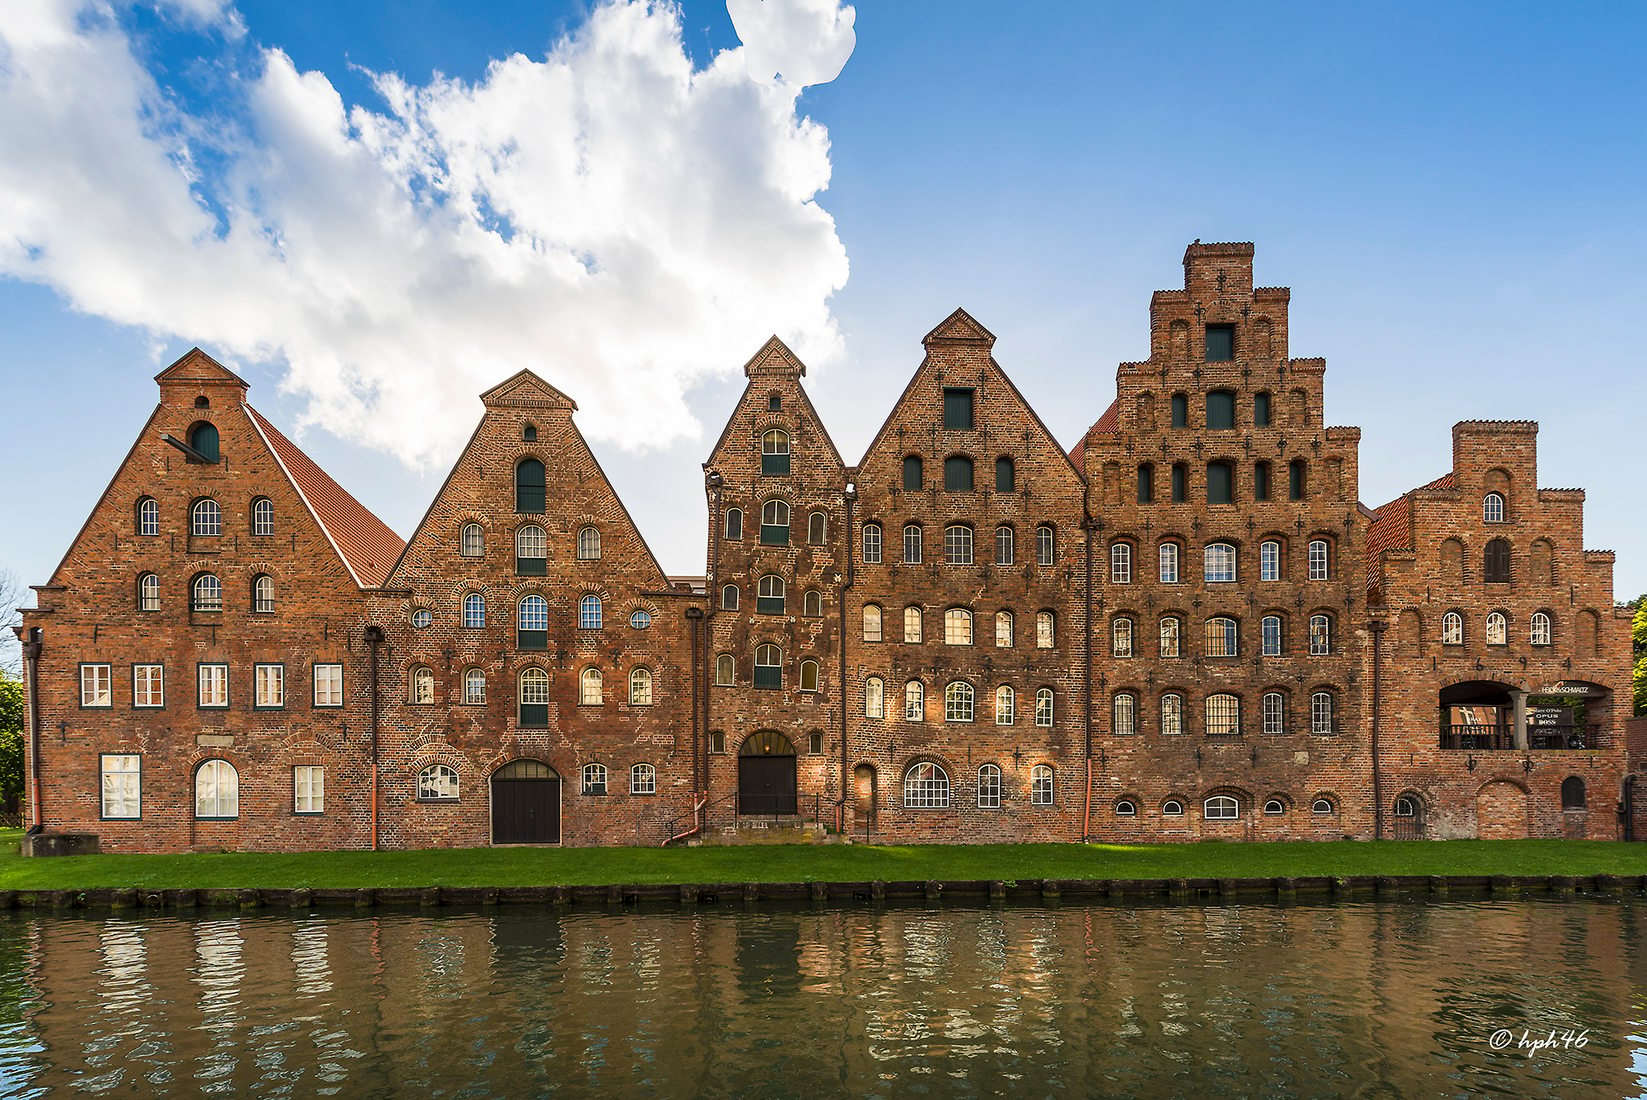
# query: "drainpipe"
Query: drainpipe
{"points": [[1377, 626], [31, 677], [694, 617], [1086, 711], [851, 495], [374, 638], [713, 483]]}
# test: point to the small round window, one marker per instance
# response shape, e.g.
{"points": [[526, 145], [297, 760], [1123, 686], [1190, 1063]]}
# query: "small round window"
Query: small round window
{"points": [[422, 617], [640, 620]]}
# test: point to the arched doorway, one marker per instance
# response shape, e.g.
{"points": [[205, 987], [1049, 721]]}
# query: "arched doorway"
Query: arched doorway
{"points": [[863, 796], [1501, 811], [766, 774], [525, 803], [1477, 714], [1407, 817]]}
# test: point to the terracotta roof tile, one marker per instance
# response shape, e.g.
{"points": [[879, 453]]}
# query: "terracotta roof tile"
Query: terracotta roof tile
{"points": [[1109, 422]]}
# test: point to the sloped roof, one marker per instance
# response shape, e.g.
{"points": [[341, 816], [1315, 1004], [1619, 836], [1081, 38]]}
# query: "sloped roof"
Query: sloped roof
{"points": [[775, 350], [1392, 527], [364, 542], [1109, 422]]}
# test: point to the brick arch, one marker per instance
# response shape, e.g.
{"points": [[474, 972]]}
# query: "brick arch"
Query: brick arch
{"points": [[1501, 811]]}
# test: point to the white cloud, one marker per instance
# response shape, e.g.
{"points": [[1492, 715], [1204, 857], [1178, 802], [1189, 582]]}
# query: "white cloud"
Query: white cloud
{"points": [[608, 216], [803, 41]]}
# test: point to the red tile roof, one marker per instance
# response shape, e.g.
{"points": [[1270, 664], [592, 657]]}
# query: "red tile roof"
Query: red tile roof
{"points": [[1109, 422], [1392, 528], [364, 542]]}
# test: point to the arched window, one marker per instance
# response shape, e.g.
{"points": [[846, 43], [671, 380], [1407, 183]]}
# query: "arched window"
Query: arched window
{"points": [[1223, 716], [1120, 563], [1297, 480], [1221, 807], [216, 790], [914, 701], [872, 544], [1124, 714], [263, 594], [1540, 631], [203, 440], [588, 544], [989, 787], [958, 544], [1274, 713], [531, 551], [1044, 545], [769, 597], [774, 453], [912, 472], [1172, 714], [148, 516], [1269, 560], [768, 666], [1223, 637], [1005, 547], [1261, 410], [1271, 635], [1172, 629], [815, 743], [1320, 635], [1169, 563], [958, 702], [912, 624], [958, 474], [1003, 629], [912, 543], [206, 594], [1496, 564], [473, 542], [1046, 635], [1120, 637], [532, 623], [775, 523], [589, 612], [474, 687], [812, 604], [148, 592], [1572, 793], [725, 670], [1274, 806], [590, 693], [530, 486], [640, 687], [1498, 629], [817, 528], [643, 779], [1006, 475], [1492, 508], [1452, 628], [957, 626], [926, 787], [1146, 483], [205, 519], [1126, 807], [872, 622], [1219, 563], [1172, 808], [263, 516], [1320, 560], [1040, 785], [729, 597], [809, 675], [1043, 707], [734, 524], [437, 783], [874, 697], [423, 686], [529, 433], [474, 611], [1006, 706], [1321, 713], [534, 698], [1406, 806], [594, 780], [1322, 806]]}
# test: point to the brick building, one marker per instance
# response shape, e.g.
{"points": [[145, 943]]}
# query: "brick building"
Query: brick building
{"points": [[1187, 626]]}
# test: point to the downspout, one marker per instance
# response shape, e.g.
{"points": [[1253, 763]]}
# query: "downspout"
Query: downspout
{"points": [[851, 495], [374, 638], [717, 530], [1377, 626], [1086, 693], [31, 676]]}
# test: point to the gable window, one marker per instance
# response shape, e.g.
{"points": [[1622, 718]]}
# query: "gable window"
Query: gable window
{"points": [[589, 544], [643, 779], [774, 453], [1219, 563], [423, 686], [206, 519], [1169, 563], [769, 597], [422, 617], [203, 440], [148, 685], [1321, 719], [1222, 637], [1220, 483], [591, 688], [263, 516], [148, 592], [768, 666], [1270, 636], [734, 524], [206, 594], [1180, 483], [122, 785], [534, 698], [437, 783], [1269, 560], [1221, 409], [1498, 629], [1223, 716], [958, 409], [957, 626], [529, 433], [1005, 545], [1171, 632], [725, 670], [1452, 628], [640, 687], [1006, 475], [1260, 481], [1124, 714], [530, 486], [872, 622], [216, 791], [532, 623], [809, 675], [1006, 705], [1297, 480], [729, 597], [1040, 785], [473, 542], [1044, 546], [958, 474], [269, 687], [1043, 707], [1273, 713], [1045, 630], [263, 594], [775, 523], [474, 687], [912, 472], [914, 701], [774, 402], [872, 544], [912, 544], [812, 604], [1146, 483], [1319, 560], [1540, 630], [1496, 565], [1120, 638], [989, 787], [1172, 714], [531, 551], [1320, 635], [958, 544], [874, 698], [148, 516], [912, 624], [1120, 563], [1260, 410], [958, 700], [474, 611], [594, 780], [1220, 343], [589, 612], [1180, 410], [1492, 508], [816, 528], [96, 686], [926, 787], [328, 685]]}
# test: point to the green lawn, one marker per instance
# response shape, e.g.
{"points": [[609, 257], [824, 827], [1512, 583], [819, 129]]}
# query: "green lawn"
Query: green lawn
{"points": [[823, 863]]}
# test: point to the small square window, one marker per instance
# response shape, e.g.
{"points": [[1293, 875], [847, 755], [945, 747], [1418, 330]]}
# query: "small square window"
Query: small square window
{"points": [[774, 402], [958, 409], [1220, 343]]}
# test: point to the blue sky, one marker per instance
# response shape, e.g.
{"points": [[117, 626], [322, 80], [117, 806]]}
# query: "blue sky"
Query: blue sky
{"points": [[1448, 190]]}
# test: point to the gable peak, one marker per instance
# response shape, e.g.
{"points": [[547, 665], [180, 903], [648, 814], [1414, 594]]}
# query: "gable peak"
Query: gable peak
{"points": [[195, 368], [526, 390], [959, 327], [774, 358]]}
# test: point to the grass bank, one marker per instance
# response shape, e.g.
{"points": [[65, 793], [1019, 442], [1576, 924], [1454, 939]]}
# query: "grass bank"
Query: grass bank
{"points": [[820, 863]]}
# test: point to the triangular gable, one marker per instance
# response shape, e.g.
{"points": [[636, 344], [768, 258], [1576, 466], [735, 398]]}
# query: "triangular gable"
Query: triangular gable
{"points": [[198, 367], [772, 352], [960, 327], [524, 389], [774, 356]]}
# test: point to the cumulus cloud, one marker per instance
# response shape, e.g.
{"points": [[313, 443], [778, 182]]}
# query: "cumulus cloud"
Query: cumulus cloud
{"points": [[609, 216], [801, 41]]}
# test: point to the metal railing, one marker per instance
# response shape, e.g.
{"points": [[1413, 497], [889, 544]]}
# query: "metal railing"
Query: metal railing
{"points": [[1578, 736], [1474, 736]]}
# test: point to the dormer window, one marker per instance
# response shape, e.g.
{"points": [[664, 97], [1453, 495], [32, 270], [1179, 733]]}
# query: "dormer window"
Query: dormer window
{"points": [[1220, 343], [775, 453]]}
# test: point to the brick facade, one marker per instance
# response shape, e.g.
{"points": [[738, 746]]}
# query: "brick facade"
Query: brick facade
{"points": [[1188, 626]]}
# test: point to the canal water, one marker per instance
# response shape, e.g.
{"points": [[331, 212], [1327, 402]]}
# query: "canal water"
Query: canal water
{"points": [[1368, 999]]}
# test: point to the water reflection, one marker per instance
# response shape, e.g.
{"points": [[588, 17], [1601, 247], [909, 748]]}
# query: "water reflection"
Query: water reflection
{"points": [[1369, 999]]}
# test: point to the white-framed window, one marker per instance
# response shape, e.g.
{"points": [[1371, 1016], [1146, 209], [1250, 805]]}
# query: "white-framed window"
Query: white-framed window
{"points": [[1120, 563], [1169, 563], [872, 622], [874, 697], [437, 783], [1040, 785], [1221, 807], [775, 523], [769, 595], [1492, 508], [474, 612], [1172, 629], [958, 544], [1046, 634], [1452, 628], [205, 519], [817, 528], [1223, 716], [263, 516], [912, 624], [474, 687], [206, 594], [1120, 637], [1003, 630], [1274, 807], [914, 701], [213, 686], [912, 543], [1005, 705], [531, 547], [122, 786], [533, 692], [734, 524], [1223, 637], [809, 675], [768, 667], [269, 684], [812, 604], [473, 542], [263, 594], [643, 779], [328, 685], [1498, 629], [1126, 807], [729, 597], [989, 787], [148, 592], [588, 544], [1322, 806], [590, 693], [423, 686], [148, 516], [1006, 548], [96, 686], [1539, 634], [148, 685], [1269, 560], [872, 544], [1321, 716], [1273, 708], [594, 779], [1172, 808], [957, 626], [640, 687], [308, 789], [422, 617], [1172, 714], [958, 702], [1044, 545], [1124, 714], [725, 670], [1270, 635], [1320, 635], [926, 787], [1043, 707], [216, 790], [589, 612], [1219, 563], [1320, 560]]}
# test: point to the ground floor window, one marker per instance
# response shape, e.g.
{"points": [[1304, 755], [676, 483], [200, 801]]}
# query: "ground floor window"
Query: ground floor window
{"points": [[926, 787], [308, 789], [122, 787], [1040, 785], [216, 790]]}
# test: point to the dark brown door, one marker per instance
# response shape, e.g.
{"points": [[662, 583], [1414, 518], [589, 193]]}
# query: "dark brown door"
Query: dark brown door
{"points": [[526, 804], [766, 784]]}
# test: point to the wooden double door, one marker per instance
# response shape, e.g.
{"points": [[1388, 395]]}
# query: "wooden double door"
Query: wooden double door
{"points": [[525, 804]]}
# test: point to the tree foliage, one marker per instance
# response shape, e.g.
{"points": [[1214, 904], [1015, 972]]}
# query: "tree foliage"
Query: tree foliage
{"points": [[11, 736], [1638, 637]]}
